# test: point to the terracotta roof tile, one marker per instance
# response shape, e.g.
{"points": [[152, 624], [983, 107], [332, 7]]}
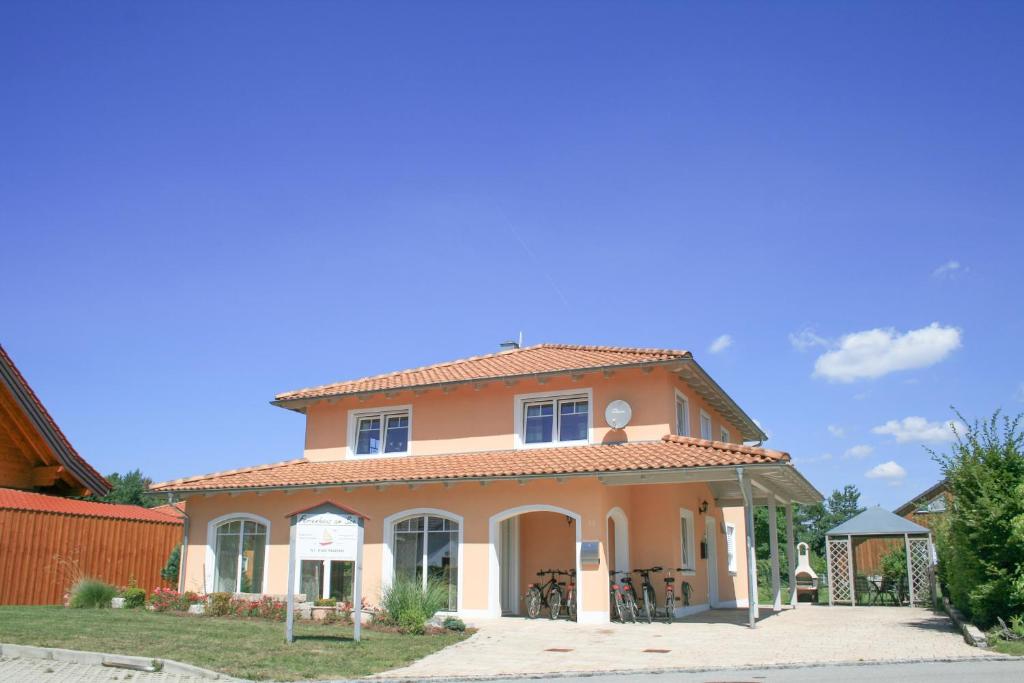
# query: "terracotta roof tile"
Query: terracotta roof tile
{"points": [[12, 499], [542, 358], [671, 452]]}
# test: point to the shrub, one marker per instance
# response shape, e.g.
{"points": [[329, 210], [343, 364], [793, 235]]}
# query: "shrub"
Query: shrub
{"points": [[91, 593], [325, 602], [454, 624], [170, 571], [407, 605], [981, 543], [167, 600], [133, 597], [219, 605], [894, 564]]}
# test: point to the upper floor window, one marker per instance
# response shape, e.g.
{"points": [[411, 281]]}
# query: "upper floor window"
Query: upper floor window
{"points": [[937, 504], [550, 419], [705, 426], [725, 435], [381, 431], [682, 415]]}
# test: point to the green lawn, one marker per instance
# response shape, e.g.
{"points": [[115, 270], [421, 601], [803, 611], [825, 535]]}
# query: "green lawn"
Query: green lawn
{"points": [[244, 648], [1009, 647]]}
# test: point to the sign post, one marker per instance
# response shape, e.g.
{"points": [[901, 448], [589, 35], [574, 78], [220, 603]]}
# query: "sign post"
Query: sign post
{"points": [[326, 532]]}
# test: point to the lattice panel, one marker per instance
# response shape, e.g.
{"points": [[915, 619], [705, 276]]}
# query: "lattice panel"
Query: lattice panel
{"points": [[839, 570], [920, 572]]}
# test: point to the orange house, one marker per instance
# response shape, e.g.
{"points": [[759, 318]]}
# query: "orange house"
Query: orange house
{"points": [[481, 472]]}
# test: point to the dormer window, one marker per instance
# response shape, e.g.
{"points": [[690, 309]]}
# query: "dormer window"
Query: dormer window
{"points": [[705, 426], [553, 419], [380, 432]]}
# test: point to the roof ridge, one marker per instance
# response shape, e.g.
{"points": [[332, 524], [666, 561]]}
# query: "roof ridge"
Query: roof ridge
{"points": [[221, 473], [504, 352]]}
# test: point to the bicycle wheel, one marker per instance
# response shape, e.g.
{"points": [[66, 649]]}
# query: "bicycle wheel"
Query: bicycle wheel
{"points": [[554, 602], [630, 601], [670, 605], [648, 606], [620, 606], [533, 602], [570, 604]]}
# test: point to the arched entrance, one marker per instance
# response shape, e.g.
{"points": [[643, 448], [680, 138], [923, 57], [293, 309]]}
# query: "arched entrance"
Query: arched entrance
{"points": [[509, 539], [618, 539]]}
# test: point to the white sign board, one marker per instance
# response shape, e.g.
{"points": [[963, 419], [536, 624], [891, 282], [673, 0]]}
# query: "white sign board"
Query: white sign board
{"points": [[327, 536]]}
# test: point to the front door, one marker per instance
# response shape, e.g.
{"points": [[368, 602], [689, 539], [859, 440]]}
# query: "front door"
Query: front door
{"points": [[711, 527], [509, 569]]}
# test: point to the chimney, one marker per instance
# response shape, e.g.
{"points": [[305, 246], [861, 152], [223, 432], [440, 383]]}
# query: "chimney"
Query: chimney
{"points": [[510, 345]]}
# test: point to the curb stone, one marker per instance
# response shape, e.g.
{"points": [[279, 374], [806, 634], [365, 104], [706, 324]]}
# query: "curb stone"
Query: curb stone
{"points": [[104, 659], [972, 634]]}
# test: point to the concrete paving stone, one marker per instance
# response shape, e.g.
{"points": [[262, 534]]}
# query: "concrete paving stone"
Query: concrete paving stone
{"points": [[32, 670]]}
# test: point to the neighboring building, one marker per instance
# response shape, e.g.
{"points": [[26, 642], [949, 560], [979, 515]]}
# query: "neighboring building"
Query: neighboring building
{"points": [[927, 507], [34, 454], [47, 539], [480, 472]]}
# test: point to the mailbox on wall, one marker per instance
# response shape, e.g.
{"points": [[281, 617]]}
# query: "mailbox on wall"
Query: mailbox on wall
{"points": [[590, 553]]}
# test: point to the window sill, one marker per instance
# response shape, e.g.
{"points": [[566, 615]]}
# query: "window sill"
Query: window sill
{"points": [[371, 456], [552, 444], [689, 572]]}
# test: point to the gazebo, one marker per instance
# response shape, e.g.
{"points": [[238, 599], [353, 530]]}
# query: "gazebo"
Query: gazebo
{"points": [[876, 523]]}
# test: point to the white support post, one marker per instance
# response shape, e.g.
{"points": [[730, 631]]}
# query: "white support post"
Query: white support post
{"points": [[748, 519], [853, 585], [910, 570], [791, 553], [773, 548], [831, 575]]}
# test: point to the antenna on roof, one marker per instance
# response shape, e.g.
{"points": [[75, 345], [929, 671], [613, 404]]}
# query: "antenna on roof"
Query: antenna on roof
{"points": [[520, 339]]}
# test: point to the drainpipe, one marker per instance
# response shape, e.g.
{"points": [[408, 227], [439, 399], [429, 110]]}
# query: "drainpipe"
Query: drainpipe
{"points": [[183, 555]]}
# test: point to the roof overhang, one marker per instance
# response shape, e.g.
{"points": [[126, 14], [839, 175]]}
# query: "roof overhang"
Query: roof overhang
{"points": [[687, 369]]}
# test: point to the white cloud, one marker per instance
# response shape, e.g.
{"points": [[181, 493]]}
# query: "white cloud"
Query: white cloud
{"points": [[824, 457], [949, 270], [874, 353], [836, 431], [890, 471], [721, 344], [806, 339], [919, 429], [859, 451], [1020, 393]]}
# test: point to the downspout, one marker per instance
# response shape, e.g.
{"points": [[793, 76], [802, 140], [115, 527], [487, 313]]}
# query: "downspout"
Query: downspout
{"points": [[183, 553]]}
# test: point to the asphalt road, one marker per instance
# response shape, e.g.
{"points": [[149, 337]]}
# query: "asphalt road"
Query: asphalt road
{"points": [[977, 671]]}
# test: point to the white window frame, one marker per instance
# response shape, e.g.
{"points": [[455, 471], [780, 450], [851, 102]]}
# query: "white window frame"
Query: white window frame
{"points": [[724, 434], [687, 546], [388, 547], [682, 430], [325, 587], [384, 412], [519, 413], [711, 426], [211, 546], [730, 555]]}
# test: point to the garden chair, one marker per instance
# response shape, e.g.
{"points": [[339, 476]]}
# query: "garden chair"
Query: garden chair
{"points": [[866, 593]]}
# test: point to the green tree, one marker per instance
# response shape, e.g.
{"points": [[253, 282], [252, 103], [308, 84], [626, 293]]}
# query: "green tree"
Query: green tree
{"points": [[130, 488], [981, 542]]}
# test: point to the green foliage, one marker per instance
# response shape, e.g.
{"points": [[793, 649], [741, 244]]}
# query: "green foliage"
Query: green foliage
{"points": [[407, 605], [133, 597], [325, 602], [170, 571], [130, 488], [219, 604], [894, 564], [454, 624], [91, 593], [981, 542]]}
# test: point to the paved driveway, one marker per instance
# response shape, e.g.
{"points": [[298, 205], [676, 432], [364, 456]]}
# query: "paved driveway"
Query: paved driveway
{"points": [[715, 639], [28, 670]]}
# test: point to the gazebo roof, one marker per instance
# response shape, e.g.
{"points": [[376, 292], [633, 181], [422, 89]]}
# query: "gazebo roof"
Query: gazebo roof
{"points": [[877, 522]]}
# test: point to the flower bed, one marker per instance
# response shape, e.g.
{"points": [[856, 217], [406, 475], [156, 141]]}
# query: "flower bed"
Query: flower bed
{"points": [[168, 600]]}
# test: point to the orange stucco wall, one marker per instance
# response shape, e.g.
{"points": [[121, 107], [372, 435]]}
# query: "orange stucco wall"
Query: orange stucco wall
{"points": [[469, 419], [545, 538]]}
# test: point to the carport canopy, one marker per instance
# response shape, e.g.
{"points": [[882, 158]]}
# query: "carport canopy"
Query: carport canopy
{"points": [[877, 522]]}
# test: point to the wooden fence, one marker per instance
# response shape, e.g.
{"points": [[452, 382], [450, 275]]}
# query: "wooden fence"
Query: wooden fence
{"points": [[42, 553]]}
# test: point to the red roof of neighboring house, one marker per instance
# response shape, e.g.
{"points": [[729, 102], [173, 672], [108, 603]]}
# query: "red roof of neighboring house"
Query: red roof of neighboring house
{"points": [[12, 499], [173, 509], [530, 360], [671, 452], [48, 429]]}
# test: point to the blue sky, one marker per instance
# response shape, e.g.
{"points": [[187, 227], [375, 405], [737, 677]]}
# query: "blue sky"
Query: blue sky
{"points": [[204, 204]]}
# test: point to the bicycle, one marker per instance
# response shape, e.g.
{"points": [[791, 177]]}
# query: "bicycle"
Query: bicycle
{"points": [[549, 593], [647, 605], [629, 596], [570, 595], [619, 595], [670, 595]]}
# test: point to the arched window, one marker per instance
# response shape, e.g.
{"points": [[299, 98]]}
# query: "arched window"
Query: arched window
{"points": [[240, 551], [427, 550]]}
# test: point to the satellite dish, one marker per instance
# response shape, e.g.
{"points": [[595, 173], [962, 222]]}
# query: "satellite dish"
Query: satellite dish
{"points": [[617, 414]]}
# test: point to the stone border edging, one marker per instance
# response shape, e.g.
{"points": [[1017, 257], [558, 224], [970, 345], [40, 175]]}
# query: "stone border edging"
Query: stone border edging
{"points": [[972, 634], [101, 658]]}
